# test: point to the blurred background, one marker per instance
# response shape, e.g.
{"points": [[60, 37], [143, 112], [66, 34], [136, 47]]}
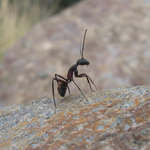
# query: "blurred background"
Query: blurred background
{"points": [[39, 38]]}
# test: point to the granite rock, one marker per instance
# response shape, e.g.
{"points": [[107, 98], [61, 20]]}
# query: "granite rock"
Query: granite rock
{"points": [[111, 119]]}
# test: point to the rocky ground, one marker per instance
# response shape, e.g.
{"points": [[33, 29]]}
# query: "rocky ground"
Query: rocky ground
{"points": [[117, 46], [111, 119]]}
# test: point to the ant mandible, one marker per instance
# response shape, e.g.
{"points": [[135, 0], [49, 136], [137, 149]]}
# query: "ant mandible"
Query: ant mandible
{"points": [[63, 82]]}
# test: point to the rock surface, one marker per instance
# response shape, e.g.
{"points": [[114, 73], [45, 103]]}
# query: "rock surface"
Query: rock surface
{"points": [[117, 47], [111, 119]]}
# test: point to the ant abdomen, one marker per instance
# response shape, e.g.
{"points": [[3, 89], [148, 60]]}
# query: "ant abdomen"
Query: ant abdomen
{"points": [[62, 87]]}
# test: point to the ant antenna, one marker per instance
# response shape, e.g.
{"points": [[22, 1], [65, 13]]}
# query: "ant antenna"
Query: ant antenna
{"points": [[81, 50]]}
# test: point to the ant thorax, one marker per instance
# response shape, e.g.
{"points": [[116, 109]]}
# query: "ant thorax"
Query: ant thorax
{"points": [[71, 70]]}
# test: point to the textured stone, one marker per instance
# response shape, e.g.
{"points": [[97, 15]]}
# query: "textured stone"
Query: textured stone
{"points": [[111, 119]]}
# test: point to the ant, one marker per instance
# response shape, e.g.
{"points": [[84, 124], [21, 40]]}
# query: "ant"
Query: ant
{"points": [[63, 82]]}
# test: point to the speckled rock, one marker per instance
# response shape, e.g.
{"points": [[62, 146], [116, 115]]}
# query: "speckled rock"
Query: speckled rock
{"points": [[117, 47], [111, 119]]}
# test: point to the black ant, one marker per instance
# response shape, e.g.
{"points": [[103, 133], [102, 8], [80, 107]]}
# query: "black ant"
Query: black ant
{"points": [[63, 82]]}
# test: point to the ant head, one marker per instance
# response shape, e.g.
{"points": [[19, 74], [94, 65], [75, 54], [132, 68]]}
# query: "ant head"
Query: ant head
{"points": [[82, 61]]}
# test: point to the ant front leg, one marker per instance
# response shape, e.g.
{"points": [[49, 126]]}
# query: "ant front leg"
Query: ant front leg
{"points": [[87, 77]]}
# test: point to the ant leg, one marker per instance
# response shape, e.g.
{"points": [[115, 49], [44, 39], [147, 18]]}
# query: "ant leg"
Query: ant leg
{"points": [[68, 89], [60, 77], [79, 90], [53, 93], [88, 78], [57, 80], [92, 82], [89, 83]]}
